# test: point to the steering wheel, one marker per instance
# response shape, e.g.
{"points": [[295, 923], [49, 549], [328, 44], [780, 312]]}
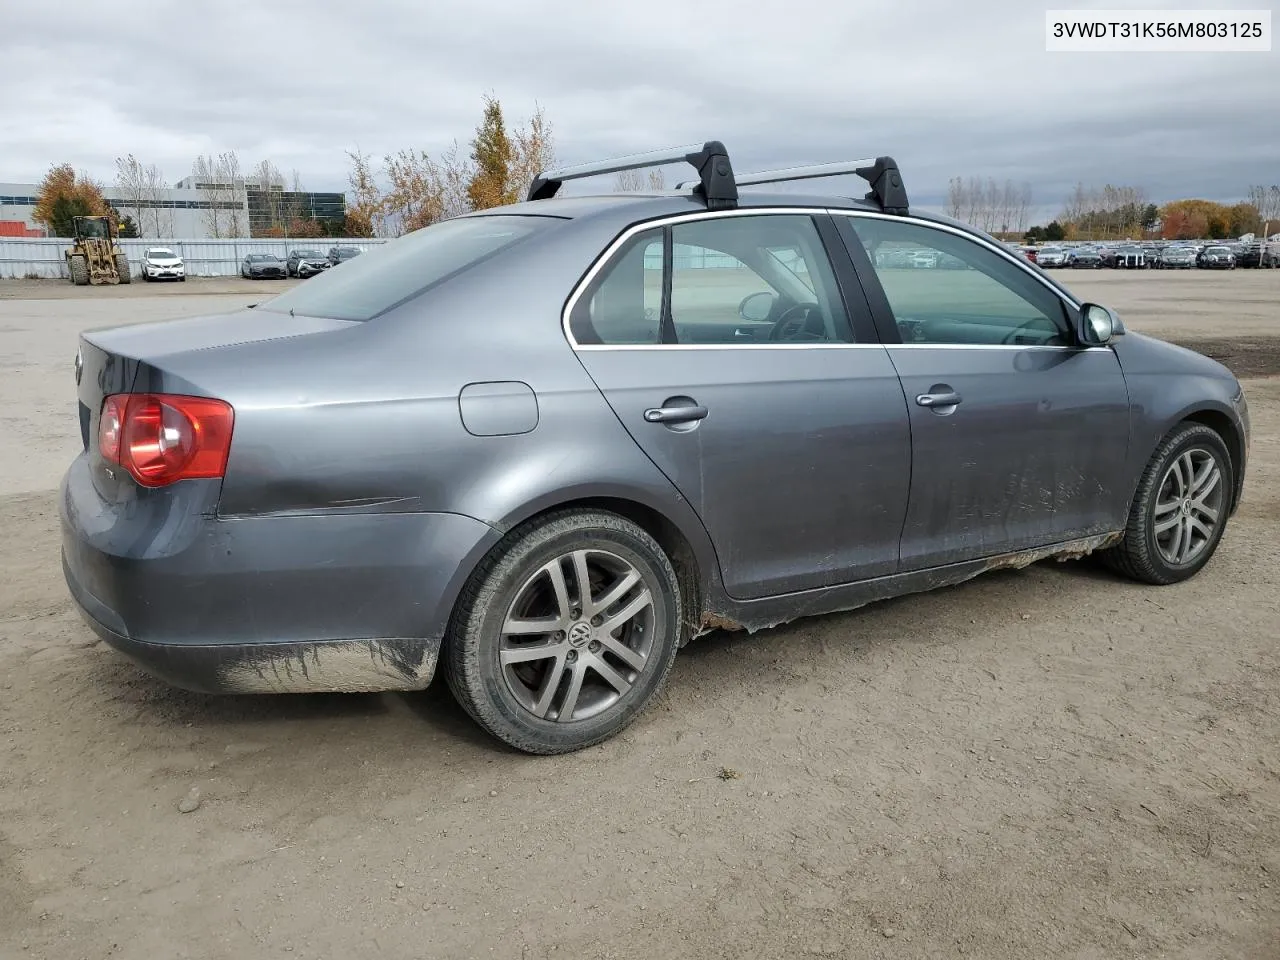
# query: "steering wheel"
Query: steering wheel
{"points": [[795, 324]]}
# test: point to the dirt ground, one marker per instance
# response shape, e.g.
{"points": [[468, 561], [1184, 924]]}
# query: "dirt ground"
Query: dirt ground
{"points": [[1041, 763]]}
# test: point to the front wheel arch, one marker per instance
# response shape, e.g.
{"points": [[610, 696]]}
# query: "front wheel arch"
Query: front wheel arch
{"points": [[1223, 426]]}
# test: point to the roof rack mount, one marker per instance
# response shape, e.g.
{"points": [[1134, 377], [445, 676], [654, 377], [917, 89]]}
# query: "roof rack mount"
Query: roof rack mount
{"points": [[715, 173], [887, 190]]}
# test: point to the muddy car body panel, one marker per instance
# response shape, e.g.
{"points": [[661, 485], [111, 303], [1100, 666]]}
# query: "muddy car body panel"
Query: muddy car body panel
{"points": [[807, 427]]}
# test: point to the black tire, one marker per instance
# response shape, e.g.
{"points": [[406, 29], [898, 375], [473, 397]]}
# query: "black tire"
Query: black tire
{"points": [[78, 266], [1139, 556], [122, 268], [490, 692]]}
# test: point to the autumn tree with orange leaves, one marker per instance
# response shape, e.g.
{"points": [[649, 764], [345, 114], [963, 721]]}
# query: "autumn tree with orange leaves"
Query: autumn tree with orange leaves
{"points": [[64, 195]]}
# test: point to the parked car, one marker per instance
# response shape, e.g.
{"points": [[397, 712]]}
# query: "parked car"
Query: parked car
{"points": [[306, 263], [1177, 258], [1216, 257], [161, 263], [261, 266], [1084, 258], [485, 446], [1251, 255], [339, 255], [1125, 257], [1052, 257]]}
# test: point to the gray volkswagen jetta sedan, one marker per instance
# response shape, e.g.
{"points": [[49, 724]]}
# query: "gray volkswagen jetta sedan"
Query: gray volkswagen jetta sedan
{"points": [[548, 444]]}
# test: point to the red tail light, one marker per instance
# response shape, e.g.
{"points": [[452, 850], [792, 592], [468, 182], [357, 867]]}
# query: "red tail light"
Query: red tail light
{"points": [[162, 438]]}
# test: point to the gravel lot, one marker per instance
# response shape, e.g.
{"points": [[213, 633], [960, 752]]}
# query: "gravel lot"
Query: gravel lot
{"points": [[1040, 763]]}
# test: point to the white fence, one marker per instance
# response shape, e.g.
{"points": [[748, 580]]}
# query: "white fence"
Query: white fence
{"points": [[42, 257]]}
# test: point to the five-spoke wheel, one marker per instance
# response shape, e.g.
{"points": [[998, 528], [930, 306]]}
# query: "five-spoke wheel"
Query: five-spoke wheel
{"points": [[1180, 509], [577, 635], [566, 632]]}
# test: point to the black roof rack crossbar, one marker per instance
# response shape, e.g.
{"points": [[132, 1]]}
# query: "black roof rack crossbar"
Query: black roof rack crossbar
{"points": [[887, 190], [715, 184]]}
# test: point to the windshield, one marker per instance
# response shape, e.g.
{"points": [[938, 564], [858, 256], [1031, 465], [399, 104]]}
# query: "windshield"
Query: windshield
{"points": [[1217, 250], [394, 272], [307, 253], [161, 253]]}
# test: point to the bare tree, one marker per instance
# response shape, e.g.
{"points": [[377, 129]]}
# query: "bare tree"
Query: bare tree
{"points": [[204, 175], [955, 198], [972, 200], [292, 210], [221, 185], [533, 151], [131, 187], [269, 181], [425, 190], [633, 181], [1266, 200], [1024, 206], [154, 187], [234, 193], [366, 213]]}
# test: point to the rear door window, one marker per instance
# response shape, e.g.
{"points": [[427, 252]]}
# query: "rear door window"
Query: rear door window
{"points": [[729, 281]]}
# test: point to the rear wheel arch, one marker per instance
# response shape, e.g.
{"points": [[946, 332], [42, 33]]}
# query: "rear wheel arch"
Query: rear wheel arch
{"points": [[695, 568]]}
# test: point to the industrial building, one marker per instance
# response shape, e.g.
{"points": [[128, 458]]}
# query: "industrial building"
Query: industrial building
{"points": [[188, 210]]}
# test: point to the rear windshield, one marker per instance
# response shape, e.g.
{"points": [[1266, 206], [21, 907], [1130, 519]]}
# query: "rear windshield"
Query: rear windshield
{"points": [[392, 273]]}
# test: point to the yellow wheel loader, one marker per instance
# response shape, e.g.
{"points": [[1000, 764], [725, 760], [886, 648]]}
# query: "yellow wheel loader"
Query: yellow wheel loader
{"points": [[94, 256]]}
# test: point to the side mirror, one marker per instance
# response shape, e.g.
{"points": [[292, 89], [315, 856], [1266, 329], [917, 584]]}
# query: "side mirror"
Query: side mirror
{"points": [[1098, 325], [757, 306]]}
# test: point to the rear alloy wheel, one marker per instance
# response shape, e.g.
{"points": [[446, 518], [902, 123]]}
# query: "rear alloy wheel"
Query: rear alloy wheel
{"points": [[566, 632], [1180, 511]]}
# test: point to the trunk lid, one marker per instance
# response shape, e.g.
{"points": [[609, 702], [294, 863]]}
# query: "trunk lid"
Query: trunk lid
{"points": [[110, 360]]}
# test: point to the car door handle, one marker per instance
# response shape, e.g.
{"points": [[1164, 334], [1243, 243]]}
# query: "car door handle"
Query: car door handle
{"points": [[675, 414], [949, 399]]}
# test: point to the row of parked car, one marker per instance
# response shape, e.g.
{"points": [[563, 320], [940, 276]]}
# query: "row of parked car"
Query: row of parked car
{"points": [[162, 263], [1205, 255], [300, 263]]}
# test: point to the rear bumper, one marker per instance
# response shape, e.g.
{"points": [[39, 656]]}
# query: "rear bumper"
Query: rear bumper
{"points": [[346, 666], [338, 602]]}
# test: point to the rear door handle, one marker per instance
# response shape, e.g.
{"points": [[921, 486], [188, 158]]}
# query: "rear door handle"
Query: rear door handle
{"points": [[675, 414], [938, 399]]}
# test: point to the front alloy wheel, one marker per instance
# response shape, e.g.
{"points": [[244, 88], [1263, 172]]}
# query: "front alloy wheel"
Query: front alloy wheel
{"points": [[1180, 510], [565, 633], [1189, 506]]}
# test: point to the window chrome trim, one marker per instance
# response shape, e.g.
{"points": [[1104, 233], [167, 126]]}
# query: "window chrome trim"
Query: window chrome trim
{"points": [[610, 251], [1059, 292], [607, 257]]}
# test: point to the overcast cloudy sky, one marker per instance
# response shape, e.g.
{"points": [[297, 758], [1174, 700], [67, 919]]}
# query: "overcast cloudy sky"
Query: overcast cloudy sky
{"points": [[948, 87]]}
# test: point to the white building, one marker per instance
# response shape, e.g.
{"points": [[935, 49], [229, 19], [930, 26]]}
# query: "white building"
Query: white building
{"points": [[182, 211], [175, 213]]}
